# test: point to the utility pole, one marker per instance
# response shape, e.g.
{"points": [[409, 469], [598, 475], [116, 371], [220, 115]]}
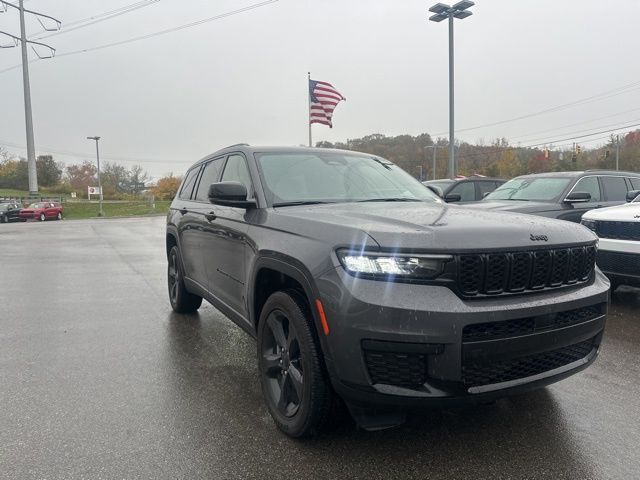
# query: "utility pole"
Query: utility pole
{"points": [[617, 152], [100, 213], [31, 151]]}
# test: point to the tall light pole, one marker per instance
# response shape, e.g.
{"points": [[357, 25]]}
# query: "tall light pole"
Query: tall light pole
{"points": [[100, 213], [443, 12]]}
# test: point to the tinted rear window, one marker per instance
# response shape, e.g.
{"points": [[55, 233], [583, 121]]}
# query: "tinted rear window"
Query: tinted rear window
{"points": [[615, 189], [189, 182]]}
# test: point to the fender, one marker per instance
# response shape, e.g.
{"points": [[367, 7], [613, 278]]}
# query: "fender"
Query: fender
{"points": [[296, 270]]}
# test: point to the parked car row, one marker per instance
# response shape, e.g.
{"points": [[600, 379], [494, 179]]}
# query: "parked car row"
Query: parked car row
{"points": [[12, 212]]}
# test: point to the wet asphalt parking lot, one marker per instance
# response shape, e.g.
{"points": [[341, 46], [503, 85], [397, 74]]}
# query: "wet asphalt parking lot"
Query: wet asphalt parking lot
{"points": [[99, 379]]}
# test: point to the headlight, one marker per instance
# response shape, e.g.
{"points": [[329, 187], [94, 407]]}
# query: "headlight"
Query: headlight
{"points": [[391, 265], [590, 224]]}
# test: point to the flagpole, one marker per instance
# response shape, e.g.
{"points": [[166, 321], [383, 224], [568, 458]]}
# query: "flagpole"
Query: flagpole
{"points": [[309, 104]]}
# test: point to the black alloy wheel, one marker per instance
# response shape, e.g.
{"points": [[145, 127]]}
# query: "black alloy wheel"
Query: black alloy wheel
{"points": [[181, 300], [295, 384], [282, 363]]}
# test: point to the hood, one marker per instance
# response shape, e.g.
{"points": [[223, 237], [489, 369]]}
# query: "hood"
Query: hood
{"points": [[514, 206], [629, 212], [435, 227]]}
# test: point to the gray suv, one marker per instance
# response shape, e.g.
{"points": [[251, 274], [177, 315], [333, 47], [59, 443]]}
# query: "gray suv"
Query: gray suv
{"points": [[562, 195], [362, 287]]}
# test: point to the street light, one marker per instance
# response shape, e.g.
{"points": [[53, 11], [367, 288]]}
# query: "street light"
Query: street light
{"points": [[100, 213], [443, 12]]}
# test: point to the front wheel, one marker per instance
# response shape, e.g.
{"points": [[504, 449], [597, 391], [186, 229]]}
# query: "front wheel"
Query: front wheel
{"points": [[181, 300], [5, 219], [42, 217], [294, 383]]}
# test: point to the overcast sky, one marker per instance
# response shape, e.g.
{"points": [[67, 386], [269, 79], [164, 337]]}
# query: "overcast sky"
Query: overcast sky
{"points": [[166, 101]]}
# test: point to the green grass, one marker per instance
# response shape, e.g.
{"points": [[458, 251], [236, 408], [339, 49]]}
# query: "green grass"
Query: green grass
{"points": [[7, 192], [77, 210]]}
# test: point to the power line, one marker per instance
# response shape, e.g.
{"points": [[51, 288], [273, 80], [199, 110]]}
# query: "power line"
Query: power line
{"points": [[600, 96], [575, 124], [161, 32], [86, 22]]}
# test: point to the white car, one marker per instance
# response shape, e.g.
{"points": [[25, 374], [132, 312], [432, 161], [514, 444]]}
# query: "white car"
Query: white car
{"points": [[619, 248]]}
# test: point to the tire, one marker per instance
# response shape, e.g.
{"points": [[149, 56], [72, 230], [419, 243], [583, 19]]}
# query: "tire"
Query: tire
{"points": [[181, 300], [5, 219], [59, 217], [295, 384], [42, 217]]}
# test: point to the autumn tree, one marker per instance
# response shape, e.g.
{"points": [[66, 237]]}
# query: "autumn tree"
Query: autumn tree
{"points": [[82, 176], [166, 188]]}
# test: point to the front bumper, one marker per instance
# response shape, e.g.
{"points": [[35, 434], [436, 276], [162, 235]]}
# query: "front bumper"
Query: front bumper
{"points": [[409, 344], [620, 260]]}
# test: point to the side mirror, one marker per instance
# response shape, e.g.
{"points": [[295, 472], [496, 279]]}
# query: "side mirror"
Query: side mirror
{"points": [[484, 195], [632, 194], [578, 197], [452, 197], [230, 194]]}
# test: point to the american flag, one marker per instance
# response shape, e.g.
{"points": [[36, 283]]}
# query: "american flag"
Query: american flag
{"points": [[323, 98]]}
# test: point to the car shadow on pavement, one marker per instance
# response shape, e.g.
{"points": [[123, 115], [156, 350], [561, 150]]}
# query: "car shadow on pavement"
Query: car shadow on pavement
{"points": [[217, 404]]}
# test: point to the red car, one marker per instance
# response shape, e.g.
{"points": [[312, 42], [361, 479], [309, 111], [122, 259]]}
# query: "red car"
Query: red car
{"points": [[42, 211]]}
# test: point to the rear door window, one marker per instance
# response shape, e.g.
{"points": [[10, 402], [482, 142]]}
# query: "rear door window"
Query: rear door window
{"points": [[210, 174], [189, 182], [615, 188], [589, 185], [635, 183]]}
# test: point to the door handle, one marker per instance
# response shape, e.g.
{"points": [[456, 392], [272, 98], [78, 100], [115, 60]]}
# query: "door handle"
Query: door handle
{"points": [[183, 211], [211, 216]]}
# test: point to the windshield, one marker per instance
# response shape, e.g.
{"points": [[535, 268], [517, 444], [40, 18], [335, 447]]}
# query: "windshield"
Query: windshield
{"points": [[335, 177], [530, 189]]}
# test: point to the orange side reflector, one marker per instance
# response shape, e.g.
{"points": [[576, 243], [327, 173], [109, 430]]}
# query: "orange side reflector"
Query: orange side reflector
{"points": [[323, 318]]}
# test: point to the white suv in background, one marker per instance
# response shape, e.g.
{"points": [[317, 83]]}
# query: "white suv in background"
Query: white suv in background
{"points": [[619, 231]]}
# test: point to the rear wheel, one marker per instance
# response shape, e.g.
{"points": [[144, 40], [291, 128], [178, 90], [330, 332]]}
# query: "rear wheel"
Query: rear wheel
{"points": [[42, 217], [294, 383], [59, 217], [181, 300]]}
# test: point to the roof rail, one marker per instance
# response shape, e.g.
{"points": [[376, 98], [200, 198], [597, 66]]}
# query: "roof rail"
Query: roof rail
{"points": [[236, 145], [610, 170]]}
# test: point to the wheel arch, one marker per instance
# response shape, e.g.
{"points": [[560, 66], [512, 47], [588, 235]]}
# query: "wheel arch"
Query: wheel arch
{"points": [[271, 274]]}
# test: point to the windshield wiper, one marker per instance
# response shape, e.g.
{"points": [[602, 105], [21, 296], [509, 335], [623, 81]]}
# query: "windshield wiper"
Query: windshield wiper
{"points": [[300, 202], [398, 199]]}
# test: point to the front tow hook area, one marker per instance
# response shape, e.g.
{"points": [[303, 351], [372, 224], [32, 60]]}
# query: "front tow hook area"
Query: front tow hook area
{"points": [[374, 419]]}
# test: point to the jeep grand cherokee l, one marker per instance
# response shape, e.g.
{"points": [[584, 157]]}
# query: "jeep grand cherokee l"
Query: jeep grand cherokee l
{"points": [[359, 283]]}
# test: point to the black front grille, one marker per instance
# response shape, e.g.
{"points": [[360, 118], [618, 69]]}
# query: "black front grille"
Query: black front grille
{"points": [[400, 369], [622, 263], [618, 230], [474, 375], [524, 326], [497, 273]]}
